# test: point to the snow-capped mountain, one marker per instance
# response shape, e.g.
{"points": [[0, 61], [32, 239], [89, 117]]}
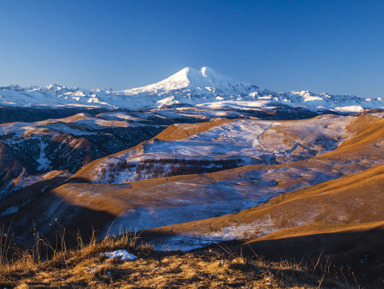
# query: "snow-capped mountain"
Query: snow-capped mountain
{"points": [[203, 82], [205, 88]]}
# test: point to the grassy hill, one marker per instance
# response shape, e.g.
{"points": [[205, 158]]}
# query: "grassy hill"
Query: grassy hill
{"points": [[213, 267]]}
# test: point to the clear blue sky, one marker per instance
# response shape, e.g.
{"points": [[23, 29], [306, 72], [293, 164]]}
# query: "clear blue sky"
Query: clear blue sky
{"points": [[333, 46]]}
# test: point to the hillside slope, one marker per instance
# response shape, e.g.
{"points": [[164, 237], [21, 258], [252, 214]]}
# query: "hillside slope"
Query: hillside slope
{"points": [[170, 200], [340, 220]]}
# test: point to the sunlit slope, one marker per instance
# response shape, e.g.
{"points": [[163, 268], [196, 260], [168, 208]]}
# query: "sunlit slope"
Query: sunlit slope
{"points": [[369, 137], [352, 201], [161, 201], [176, 199], [220, 145]]}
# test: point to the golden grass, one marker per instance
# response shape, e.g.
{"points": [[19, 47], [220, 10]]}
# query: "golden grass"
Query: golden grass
{"points": [[181, 131], [85, 267]]}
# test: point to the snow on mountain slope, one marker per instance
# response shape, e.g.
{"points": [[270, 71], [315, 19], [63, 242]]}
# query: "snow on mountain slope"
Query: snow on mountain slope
{"points": [[219, 145], [205, 81], [188, 87], [51, 96], [29, 150]]}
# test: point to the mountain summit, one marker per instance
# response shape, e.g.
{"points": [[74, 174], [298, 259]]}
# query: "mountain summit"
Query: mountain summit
{"points": [[202, 81]]}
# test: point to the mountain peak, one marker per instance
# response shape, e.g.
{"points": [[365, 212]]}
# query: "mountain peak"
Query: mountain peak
{"points": [[53, 86], [203, 80]]}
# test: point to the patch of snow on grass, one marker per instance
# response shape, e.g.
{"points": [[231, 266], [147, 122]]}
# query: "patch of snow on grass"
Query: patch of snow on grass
{"points": [[9, 211], [122, 254]]}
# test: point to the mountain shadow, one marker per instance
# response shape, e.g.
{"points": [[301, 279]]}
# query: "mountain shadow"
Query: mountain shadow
{"points": [[56, 221], [357, 251]]}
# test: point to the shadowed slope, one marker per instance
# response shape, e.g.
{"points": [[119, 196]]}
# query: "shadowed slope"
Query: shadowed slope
{"points": [[357, 248]]}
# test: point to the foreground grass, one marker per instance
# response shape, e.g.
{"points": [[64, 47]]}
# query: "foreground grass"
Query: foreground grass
{"points": [[85, 267]]}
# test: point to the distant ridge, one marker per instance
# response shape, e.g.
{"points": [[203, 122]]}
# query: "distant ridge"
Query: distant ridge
{"points": [[204, 88]]}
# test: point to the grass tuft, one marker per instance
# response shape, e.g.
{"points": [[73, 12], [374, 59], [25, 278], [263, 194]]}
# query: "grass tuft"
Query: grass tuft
{"points": [[85, 267]]}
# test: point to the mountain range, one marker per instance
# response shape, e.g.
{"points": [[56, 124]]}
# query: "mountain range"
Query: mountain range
{"points": [[204, 88]]}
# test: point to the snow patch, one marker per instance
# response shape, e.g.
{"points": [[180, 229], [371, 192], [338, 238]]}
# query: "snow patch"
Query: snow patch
{"points": [[43, 159], [122, 254], [9, 211], [350, 108]]}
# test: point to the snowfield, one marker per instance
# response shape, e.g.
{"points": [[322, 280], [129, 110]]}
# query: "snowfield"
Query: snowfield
{"points": [[188, 87]]}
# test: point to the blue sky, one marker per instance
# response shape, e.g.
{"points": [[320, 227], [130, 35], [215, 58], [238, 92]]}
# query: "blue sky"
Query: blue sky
{"points": [[332, 46]]}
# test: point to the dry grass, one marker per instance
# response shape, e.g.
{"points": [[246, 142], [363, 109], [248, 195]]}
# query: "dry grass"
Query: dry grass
{"points": [[181, 131], [85, 267]]}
